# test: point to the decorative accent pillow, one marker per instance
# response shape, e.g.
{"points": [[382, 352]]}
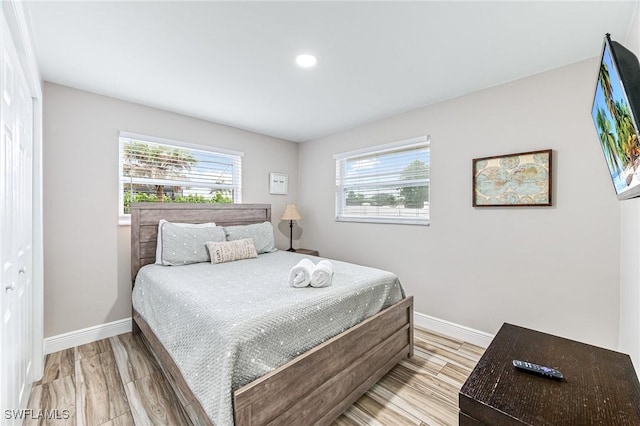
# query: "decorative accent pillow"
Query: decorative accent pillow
{"points": [[185, 243], [261, 233], [230, 251]]}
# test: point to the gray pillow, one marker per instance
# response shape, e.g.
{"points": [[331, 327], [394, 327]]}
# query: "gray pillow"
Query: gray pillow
{"points": [[261, 233], [186, 225], [184, 245]]}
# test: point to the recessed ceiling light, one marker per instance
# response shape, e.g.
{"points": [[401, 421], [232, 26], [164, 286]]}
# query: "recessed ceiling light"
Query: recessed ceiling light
{"points": [[306, 60]]}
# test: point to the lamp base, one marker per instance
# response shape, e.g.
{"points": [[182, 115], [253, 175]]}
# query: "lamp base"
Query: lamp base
{"points": [[291, 236]]}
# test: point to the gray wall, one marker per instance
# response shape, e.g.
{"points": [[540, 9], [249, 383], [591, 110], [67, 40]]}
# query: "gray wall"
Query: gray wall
{"points": [[86, 252], [630, 250], [554, 269]]}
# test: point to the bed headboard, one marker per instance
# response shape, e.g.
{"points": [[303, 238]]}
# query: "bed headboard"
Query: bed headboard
{"points": [[145, 218]]}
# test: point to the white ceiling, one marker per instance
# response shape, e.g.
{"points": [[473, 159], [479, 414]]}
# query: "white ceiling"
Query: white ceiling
{"points": [[233, 62]]}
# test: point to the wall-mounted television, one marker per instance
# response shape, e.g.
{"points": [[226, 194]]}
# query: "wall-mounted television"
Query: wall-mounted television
{"points": [[616, 107]]}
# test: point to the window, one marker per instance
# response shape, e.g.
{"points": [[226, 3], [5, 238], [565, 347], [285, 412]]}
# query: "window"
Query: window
{"points": [[160, 170], [385, 184]]}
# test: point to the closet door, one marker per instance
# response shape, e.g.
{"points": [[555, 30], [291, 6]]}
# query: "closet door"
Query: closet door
{"points": [[16, 292]]}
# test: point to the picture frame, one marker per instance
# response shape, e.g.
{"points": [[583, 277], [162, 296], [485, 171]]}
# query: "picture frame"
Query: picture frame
{"points": [[513, 180], [278, 183]]}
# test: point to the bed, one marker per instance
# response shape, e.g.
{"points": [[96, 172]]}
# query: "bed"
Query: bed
{"points": [[313, 387]]}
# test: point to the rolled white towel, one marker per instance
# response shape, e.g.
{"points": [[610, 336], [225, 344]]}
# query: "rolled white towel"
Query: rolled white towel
{"points": [[300, 274], [322, 274]]}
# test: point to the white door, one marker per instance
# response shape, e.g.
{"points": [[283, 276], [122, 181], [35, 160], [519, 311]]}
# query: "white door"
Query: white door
{"points": [[16, 142]]}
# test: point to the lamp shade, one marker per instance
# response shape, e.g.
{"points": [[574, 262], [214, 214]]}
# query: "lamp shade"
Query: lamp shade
{"points": [[291, 213]]}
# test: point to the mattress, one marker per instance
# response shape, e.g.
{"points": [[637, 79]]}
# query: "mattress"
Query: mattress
{"points": [[227, 324]]}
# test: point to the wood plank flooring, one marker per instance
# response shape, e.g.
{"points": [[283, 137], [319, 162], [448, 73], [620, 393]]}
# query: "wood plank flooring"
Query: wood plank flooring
{"points": [[117, 382]]}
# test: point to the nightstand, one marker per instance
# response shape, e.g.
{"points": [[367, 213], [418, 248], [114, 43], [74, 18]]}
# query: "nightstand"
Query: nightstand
{"points": [[307, 251]]}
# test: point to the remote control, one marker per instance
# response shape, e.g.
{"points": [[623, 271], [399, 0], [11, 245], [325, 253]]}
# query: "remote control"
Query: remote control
{"points": [[538, 369]]}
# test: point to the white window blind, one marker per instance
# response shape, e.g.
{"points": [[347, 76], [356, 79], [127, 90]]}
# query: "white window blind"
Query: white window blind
{"points": [[385, 184], [160, 170]]}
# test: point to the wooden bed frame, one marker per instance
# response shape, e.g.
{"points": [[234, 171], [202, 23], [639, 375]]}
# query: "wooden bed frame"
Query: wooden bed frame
{"points": [[314, 388]]}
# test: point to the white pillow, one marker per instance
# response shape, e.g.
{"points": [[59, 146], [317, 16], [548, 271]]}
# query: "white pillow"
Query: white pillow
{"points": [[186, 225]]}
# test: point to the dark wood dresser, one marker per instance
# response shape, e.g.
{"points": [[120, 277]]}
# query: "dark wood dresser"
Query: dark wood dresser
{"points": [[600, 386]]}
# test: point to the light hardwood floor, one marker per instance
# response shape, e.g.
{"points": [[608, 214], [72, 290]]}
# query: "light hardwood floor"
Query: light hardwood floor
{"points": [[116, 382]]}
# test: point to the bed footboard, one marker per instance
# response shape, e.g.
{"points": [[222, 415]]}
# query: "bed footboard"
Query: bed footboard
{"points": [[318, 386]]}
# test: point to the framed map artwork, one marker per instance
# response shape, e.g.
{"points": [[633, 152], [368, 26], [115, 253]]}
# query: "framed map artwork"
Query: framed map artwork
{"points": [[513, 180]]}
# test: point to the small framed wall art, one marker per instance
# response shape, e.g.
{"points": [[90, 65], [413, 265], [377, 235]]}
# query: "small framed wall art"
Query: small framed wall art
{"points": [[513, 180], [278, 183]]}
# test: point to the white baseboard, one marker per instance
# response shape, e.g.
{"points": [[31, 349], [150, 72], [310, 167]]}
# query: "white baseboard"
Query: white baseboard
{"points": [[103, 331], [86, 335], [476, 337]]}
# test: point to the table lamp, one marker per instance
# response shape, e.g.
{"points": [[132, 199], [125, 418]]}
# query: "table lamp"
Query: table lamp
{"points": [[291, 214]]}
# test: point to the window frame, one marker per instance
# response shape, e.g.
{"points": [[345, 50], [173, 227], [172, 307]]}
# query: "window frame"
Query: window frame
{"points": [[340, 197], [125, 218]]}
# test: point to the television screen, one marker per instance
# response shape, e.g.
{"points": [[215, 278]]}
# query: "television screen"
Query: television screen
{"points": [[614, 115]]}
